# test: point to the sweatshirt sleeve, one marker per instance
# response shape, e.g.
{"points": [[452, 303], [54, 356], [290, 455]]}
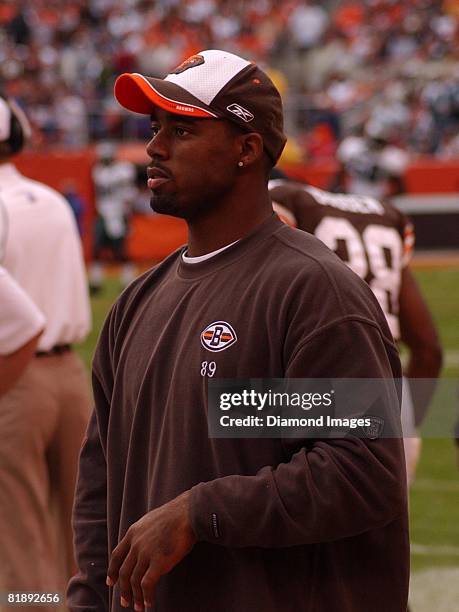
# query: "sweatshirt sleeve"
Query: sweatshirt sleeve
{"points": [[87, 589], [327, 489]]}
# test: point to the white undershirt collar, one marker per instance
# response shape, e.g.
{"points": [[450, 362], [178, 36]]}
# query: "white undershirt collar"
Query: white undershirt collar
{"points": [[193, 260]]}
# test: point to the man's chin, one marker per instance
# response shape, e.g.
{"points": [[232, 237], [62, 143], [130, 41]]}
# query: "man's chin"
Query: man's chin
{"points": [[169, 204], [165, 205]]}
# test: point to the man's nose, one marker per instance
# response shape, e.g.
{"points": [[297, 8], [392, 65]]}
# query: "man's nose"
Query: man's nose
{"points": [[158, 147]]}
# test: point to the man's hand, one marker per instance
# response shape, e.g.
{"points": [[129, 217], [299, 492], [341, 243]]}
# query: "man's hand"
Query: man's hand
{"points": [[151, 547]]}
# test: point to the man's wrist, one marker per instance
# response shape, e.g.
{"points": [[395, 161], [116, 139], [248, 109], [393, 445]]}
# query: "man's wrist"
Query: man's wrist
{"points": [[184, 499]]}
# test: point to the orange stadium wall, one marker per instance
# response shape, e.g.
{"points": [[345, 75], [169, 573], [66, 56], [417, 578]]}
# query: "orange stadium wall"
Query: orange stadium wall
{"points": [[154, 237]]}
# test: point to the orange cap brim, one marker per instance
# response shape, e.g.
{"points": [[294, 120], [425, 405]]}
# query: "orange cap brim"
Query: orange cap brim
{"points": [[141, 95]]}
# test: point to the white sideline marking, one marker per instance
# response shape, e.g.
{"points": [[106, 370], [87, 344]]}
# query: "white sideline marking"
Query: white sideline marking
{"points": [[451, 359], [434, 551], [434, 589]]}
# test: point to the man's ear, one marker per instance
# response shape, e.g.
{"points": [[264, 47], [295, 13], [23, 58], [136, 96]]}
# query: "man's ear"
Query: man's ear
{"points": [[251, 148]]}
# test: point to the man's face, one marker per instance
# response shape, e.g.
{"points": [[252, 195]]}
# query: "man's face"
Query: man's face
{"points": [[193, 164]]}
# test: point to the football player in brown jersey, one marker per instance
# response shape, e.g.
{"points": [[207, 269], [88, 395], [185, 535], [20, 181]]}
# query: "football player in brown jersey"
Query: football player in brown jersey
{"points": [[376, 240]]}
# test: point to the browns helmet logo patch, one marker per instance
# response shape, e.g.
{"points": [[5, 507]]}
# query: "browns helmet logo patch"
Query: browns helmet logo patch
{"points": [[218, 336], [191, 62]]}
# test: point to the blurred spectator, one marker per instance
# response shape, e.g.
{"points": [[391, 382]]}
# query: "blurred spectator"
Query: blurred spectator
{"points": [[370, 164], [114, 183], [342, 61], [18, 28], [71, 118], [307, 24]]}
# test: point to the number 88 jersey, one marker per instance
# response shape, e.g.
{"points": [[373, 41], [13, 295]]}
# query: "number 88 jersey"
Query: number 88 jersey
{"points": [[373, 238]]}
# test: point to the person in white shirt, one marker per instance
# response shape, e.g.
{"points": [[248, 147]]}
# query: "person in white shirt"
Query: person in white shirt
{"points": [[21, 324], [44, 415]]}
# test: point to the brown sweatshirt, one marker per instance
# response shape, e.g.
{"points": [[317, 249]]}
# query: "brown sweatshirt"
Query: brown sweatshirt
{"points": [[282, 525]]}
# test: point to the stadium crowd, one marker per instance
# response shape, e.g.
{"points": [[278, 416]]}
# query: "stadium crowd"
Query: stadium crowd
{"points": [[340, 65]]}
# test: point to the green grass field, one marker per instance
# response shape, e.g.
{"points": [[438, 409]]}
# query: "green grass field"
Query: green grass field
{"points": [[434, 499]]}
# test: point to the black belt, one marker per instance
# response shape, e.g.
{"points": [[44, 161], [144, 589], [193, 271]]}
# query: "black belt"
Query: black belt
{"points": [[57, 349]]}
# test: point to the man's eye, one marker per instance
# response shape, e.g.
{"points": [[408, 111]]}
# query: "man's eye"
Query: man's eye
{"points": [[154, 130], [181, 131]]}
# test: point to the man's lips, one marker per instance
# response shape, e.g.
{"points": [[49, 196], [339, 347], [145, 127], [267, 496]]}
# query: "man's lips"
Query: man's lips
{"points": [[156, 177], [153, 183]]}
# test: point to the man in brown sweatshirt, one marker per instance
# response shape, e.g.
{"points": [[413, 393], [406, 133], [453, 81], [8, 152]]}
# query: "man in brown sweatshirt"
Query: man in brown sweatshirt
{"points": [[168, 517]]}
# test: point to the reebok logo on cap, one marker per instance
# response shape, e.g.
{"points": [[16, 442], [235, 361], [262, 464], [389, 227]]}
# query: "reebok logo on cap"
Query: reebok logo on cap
{"points": [[241, 112]]}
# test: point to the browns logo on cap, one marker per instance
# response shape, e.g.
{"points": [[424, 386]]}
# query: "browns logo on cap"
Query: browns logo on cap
{"points": [[194, 60], [221, 85]]}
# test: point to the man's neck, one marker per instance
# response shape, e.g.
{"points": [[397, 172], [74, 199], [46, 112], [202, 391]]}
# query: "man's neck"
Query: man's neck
{"points": [[224, 226]]}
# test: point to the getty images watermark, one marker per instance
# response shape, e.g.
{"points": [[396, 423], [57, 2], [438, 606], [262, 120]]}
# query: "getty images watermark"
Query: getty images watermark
{"points": [[315, 408]]}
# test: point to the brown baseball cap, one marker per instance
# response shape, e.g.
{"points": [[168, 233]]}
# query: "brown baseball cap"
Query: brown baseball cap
{"points": [[212, 84]]}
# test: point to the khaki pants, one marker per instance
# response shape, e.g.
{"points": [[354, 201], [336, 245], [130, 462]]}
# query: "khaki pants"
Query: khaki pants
{"points": [[42, 423]]}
